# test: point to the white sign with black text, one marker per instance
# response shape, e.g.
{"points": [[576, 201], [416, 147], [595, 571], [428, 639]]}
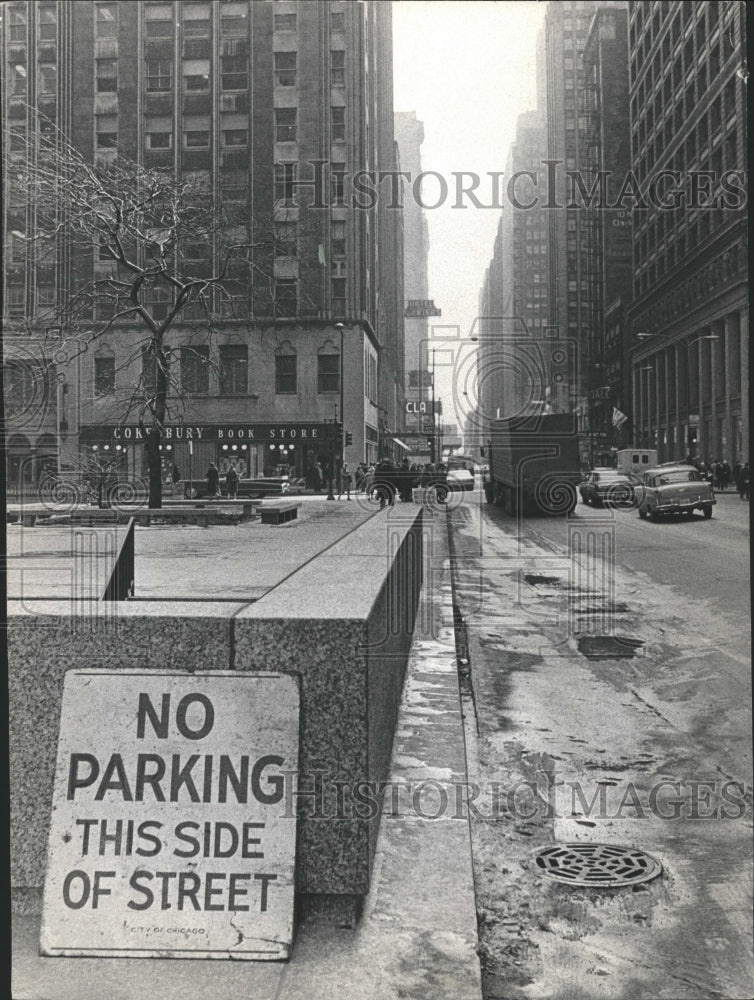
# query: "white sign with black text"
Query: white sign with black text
{"points": [[172, 831]]}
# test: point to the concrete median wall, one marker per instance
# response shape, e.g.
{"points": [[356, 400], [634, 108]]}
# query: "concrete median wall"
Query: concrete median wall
{"points": [[343, 621]]}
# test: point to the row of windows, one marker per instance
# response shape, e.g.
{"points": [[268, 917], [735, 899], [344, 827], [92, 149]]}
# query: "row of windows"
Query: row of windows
{"points": [[161, 138], [233, 372], [234, 73]]}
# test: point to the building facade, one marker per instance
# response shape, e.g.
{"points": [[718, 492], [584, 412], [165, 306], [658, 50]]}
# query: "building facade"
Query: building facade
{"points": [[273, 107], [689, 316]]}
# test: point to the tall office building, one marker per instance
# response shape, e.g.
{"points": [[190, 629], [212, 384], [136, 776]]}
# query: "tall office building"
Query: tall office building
{"points": [[273, 107], [606, 232], [689, 317], [409, 133], [571, 235]]}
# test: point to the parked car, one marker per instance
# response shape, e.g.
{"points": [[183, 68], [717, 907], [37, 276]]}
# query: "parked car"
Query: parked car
{"points": [[460, 478], [607, 486], [253, 489], [675, 488]]}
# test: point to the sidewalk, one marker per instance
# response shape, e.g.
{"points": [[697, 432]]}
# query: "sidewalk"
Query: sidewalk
{"points": [[417, 936]]}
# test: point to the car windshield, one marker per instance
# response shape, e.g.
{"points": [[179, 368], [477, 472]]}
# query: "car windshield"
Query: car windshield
{"points": [[677, 476]]}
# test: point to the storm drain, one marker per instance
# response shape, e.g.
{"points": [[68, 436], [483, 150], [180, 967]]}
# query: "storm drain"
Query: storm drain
{"points": [[608, 647], [596, 864], [537, 581]]}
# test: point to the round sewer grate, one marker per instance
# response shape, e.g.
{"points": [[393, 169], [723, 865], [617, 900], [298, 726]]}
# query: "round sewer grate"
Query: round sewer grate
{"points": [[596, 864]]}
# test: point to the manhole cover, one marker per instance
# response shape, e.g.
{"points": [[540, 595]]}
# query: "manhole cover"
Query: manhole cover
{"points": [[608, 647], [596, 864]]}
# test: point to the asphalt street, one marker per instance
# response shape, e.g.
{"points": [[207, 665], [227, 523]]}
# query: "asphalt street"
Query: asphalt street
{"points": [[610, 702]]}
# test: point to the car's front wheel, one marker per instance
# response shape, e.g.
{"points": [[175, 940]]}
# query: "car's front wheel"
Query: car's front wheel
{"points": [[643, 513], [707, 510]]}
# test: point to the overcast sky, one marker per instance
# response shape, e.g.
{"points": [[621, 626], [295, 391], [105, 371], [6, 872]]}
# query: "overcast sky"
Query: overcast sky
{"points": [[467, 68]]}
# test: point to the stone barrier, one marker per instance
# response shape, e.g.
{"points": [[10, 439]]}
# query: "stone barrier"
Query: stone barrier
{"points": [[343, 621]]}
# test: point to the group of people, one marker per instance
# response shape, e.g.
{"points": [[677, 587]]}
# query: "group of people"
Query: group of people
{"points": [[720, 474], [213, 480]]}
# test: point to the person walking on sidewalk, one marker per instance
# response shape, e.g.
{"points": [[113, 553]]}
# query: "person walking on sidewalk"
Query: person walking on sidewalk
{"points": [[213, 479], [231, 482], [743, 482], [344, 481]]}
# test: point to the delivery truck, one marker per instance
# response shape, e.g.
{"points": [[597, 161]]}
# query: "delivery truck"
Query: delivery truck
{"points": [[533, 464], [635, 461]]}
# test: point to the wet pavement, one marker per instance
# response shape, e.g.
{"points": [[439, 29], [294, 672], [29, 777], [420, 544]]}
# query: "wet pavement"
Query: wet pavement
{"points": [[649, 748]]}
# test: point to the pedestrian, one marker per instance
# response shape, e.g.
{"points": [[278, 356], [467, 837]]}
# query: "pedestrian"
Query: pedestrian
{"points": [[743, 482], [213, 479], [319, 477], [358, 477], [724, 476], [176, 474], [231, 482], [344, 483]]}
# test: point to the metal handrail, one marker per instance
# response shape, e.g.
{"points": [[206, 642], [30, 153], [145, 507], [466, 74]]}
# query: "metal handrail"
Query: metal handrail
{"points": [[120, 586]]}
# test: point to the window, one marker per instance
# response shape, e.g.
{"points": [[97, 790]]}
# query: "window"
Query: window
{"points": [[286, 239], [107, 131], [337, 20], [233, 25], [159, 140], [285, 125], [15, 303], [234, 366], [337, 182], [328, 373], [196, 75], [285, 22], [285, 69], [195, 21], [17, 25], [48, 27], [106, 20], [286, 297], [338, 68], [159, 21], [234, 72], [107, 76], [339, 296], [18, 80], [285, 373], [104, 376], [338, 124], [285, 177], [48, 79], [233, 138], [338, 238], [196, 139], [159, 74], [195, 370]]}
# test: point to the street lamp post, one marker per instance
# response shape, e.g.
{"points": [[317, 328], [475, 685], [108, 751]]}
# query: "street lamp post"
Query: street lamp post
{"points": [[688, 345], [648, 369], [340, 327], [432, 438]]}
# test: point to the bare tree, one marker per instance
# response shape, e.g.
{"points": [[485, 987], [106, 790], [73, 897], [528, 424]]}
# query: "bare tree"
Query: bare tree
{"points": [[172, 249]]}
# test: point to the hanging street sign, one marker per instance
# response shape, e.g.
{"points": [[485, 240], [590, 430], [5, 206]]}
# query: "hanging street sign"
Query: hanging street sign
{"points": [[170, 833]]}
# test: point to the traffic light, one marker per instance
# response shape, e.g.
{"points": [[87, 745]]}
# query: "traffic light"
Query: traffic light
{"points": [[339, 435], [429, 442], [349, 438]]}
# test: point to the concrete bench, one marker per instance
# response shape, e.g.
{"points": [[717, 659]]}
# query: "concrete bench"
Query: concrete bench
{"points": [[279, 513]]}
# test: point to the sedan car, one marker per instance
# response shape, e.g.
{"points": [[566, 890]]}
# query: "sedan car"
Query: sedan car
{"points": [[674, 489], [460, 479], [607, 486], [253, 489]]}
